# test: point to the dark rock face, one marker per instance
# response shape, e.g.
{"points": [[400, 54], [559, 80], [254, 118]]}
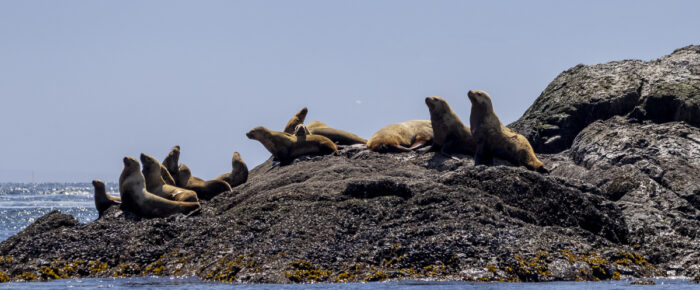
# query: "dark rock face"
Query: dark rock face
{"points": [[622, 199], [661, 90]]}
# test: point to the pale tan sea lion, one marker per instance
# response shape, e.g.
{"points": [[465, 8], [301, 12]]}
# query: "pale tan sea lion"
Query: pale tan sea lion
{"points": [[103, 200], [156, 185], [402, 137], [298, 118], [449, 133], [238, 174], [136, 199], [205, 190], [285, 147], [492, 138], [316, 124]]}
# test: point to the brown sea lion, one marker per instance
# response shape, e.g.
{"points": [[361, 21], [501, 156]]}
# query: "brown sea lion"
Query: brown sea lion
{"points": [[449, 133], [136, 199], [170, 165], [402, 137], [103, 200], [156, 185], [285, 147], [492, 138], [167, 177], [338, 136], [238, 174], [205, 190], [298, 118]]}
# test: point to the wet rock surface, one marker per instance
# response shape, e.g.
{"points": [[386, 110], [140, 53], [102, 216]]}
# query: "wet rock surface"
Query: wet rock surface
{"points": [[622, 200]]}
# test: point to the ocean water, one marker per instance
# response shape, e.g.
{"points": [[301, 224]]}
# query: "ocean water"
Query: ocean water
{"points": [[22, 204]]}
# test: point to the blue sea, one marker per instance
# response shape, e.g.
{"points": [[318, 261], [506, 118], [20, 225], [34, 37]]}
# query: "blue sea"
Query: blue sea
{"points": [[22, 204]]}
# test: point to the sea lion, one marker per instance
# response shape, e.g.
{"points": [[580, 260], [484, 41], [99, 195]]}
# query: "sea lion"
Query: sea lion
{"points": [[136, 199], [492, 138], [316, 124], [238, 174], [169, 165], [298, 118], [402, 137], [103, 200], [285, 147], [338, 136], [205, 190], [449, 133], [156, 185]]}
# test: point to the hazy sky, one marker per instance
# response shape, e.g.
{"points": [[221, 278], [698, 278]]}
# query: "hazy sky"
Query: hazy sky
{"points": [[85, 83]]}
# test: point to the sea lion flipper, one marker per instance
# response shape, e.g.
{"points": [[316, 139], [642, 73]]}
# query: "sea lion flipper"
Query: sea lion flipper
{"points": [[418, 144], [426, 149], [444, 152], [195, 212], [396, 148]]}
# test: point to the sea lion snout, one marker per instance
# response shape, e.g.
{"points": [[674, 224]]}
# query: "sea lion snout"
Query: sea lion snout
{"points": [[471, 95], [429, 101]]}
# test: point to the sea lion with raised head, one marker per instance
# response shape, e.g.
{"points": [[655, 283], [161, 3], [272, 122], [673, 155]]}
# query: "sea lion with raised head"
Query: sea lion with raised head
{"points": [[136, 199], [402, 137], [205, 190], [156, 185], [170, 165], [449, 133], [298, 118], [492, 138], [238, 174], [285, 147], [103, 200]]}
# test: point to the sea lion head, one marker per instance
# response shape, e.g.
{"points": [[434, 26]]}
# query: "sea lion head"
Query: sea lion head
{"points": [[183, 174], [237, 162], [436, 104], [480, 99], [302, 114], [131, 168], [149, 163], [131, 163], [236, 158], [298, 118], [172, 159], [99, 185], [257, 133]]}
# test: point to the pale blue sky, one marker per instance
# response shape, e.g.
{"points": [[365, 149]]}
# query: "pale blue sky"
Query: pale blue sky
{"points": [[85, 83]]}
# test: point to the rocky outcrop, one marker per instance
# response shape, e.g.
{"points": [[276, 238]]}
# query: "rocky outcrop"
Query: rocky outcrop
{"points": [[661, 90], [622, 200]]}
